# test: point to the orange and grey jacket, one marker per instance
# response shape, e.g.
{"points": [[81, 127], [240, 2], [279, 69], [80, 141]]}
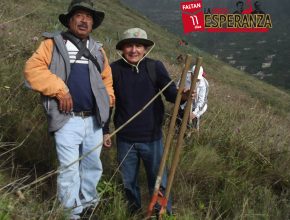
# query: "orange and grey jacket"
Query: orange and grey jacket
{"points": [[47, 72]]}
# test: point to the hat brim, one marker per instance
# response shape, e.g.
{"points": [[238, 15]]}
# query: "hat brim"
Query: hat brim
{"points": [[145, 42], [98, 16]]}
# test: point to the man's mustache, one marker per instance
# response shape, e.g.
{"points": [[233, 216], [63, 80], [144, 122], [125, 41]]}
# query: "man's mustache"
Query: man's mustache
{"points": [[83, 25]]}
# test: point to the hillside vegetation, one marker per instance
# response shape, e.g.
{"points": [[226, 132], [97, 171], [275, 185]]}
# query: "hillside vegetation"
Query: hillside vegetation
{"points": [[236, 167]]}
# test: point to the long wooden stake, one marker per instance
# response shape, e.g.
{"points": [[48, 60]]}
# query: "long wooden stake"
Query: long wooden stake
{"points": [[169, 137], [181, 135]]}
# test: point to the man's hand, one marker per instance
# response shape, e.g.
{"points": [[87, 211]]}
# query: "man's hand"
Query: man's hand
{"points": [[65, 103], [193, 95], [184, 95], [192, 116], [107, 141]]}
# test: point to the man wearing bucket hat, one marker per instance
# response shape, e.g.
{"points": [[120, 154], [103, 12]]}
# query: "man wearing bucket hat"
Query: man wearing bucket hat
{"points": [[71, 71], [136, 80]]}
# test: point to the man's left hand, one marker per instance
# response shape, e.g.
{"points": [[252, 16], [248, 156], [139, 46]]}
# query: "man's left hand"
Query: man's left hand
{"points": [[192, 116], [185, 94], [107, 141], [65, 103]]}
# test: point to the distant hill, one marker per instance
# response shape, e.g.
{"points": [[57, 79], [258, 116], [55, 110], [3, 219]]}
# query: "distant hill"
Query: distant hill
{"points": [[265, 56]]}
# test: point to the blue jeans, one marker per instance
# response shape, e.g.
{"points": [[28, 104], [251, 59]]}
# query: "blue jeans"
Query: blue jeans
{"points": [[150, 153], [77, 184]]}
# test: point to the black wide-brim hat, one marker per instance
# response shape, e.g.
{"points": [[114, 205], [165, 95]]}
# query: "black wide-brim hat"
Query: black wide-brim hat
{"points": [[87, 5], [134, 35]]}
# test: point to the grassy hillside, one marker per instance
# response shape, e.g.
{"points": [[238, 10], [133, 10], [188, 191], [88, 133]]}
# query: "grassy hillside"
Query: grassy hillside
{"points": [[235, 168]]}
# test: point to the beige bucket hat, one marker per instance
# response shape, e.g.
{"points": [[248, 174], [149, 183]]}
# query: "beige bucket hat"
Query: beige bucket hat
{"points": [[134, 35]]}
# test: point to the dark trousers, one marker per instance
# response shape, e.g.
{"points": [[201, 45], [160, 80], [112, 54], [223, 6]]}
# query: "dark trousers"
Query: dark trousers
{"points": [[150, 153]]}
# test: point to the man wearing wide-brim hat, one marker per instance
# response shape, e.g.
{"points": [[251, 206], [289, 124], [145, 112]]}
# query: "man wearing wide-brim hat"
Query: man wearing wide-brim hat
{"points": [[71, 71], [136, 80]]}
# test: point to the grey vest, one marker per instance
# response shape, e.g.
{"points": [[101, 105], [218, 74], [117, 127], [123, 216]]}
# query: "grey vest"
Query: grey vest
{"points": [[60, 66]]}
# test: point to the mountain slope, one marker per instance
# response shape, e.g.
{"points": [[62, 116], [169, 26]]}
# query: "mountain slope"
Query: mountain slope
{"points": [[263, 55], [235, 167]]}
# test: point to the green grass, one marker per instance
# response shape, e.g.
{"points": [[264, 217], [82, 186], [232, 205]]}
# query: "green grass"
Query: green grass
{"points": [[235, 168]]}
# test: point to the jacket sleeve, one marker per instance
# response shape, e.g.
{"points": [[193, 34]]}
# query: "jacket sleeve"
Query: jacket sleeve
{"points": [[200, 105], [106, 128], [39, 77], [163, 79], [108, 79]]}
